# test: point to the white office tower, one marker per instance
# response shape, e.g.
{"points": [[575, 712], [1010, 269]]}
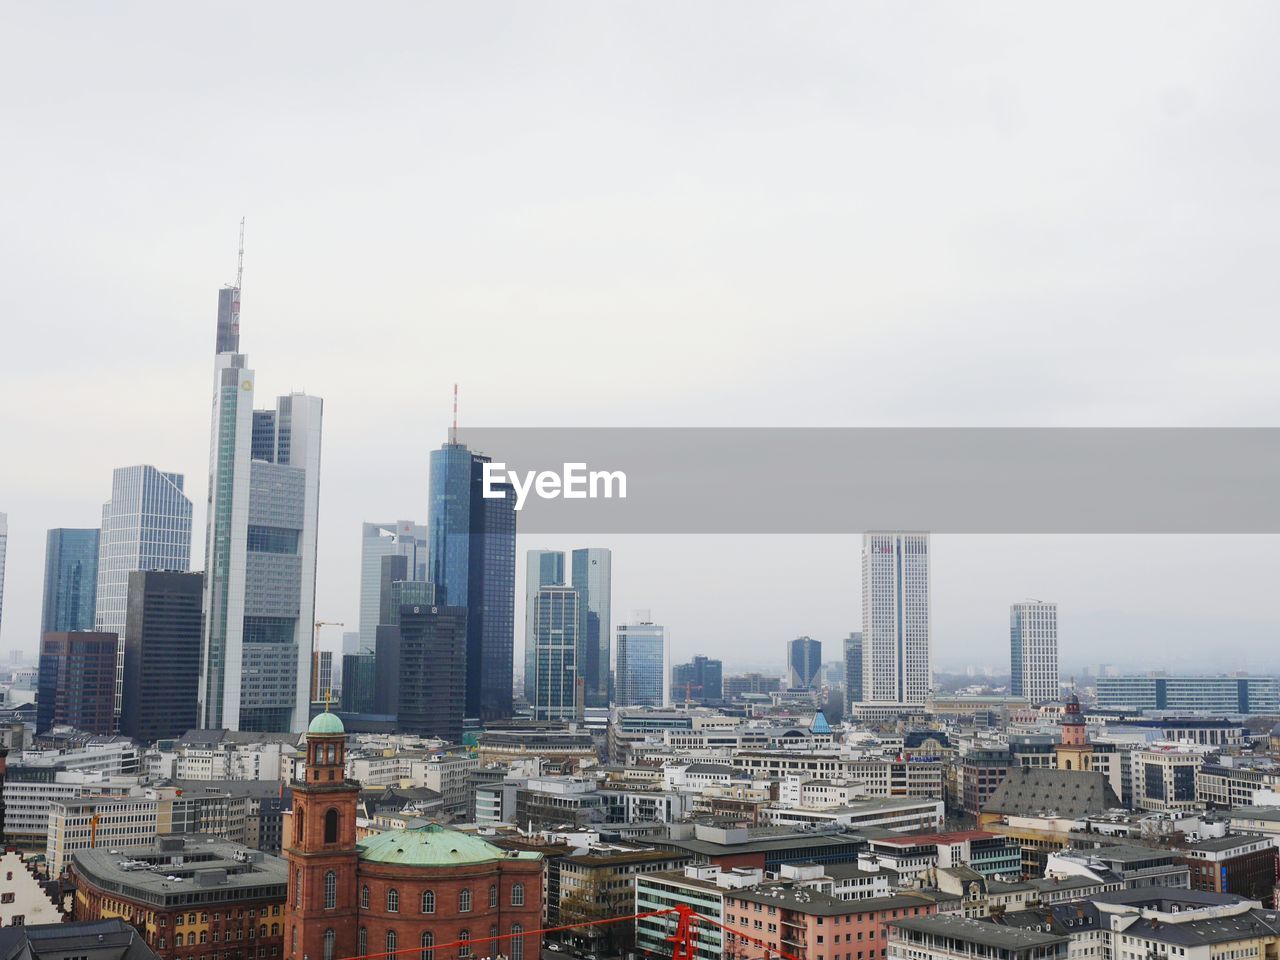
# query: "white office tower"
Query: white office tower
{"points": [[897, 672], [4, 547], [642, 676], [146, 525], [1033, 650], [543, 568], [404, 538], [558, 689], [260, 547]]}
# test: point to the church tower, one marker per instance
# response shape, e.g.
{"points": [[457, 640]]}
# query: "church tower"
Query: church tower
{"points": [[1074, 752], [320, 847]]}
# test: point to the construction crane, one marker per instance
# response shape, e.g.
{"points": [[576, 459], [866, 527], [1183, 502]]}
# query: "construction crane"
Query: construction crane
{"points": [[315, 635]]}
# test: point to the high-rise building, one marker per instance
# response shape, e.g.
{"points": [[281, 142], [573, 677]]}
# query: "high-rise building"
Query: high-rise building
{"points": [[377, 540], [77, 682], [1033, 650], [4, 546], [359, 680], [896, 651], [804, 663], [433, 671], [853, 667], [643, 668], [542, 568], [557, 684], [161, 654], [701, 680], [146, 525], [70, 580], [472, 562], [260, 547], [593, 579], [321, 676], [350, 642]]}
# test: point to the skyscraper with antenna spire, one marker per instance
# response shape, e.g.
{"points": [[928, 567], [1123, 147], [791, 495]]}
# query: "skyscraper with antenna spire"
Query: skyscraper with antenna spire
{"points": [[260, 544]]}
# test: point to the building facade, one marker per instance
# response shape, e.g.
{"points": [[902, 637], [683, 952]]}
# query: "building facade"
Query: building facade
{"points": [[432, 671], [70, 580], [1033, 650], [260, 547], [162, 654], [377, 540], [896, 646], [701, 680], [853, 668], [472, 562], [542, 568], [592, 572], [1213, 695], [804, 663], [557, 683], [77, 682], [642, 666]]}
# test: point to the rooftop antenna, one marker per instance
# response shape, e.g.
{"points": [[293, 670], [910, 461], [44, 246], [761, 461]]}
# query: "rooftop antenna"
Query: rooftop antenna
{"points": [[240, 259], [453, 431]]}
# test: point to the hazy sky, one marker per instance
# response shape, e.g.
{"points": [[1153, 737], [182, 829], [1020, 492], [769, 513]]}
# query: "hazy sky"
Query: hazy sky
{"points": [[655, 214]]}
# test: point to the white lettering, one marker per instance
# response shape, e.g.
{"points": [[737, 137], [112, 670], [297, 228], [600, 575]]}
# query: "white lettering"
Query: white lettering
{"points": [[548, 485], [575, 481], [608, 478], [522, 490]]}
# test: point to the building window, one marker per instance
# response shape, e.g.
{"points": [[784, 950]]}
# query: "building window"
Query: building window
{"points": [[517, 941], [464, 901], [293, 941], [362, 941], [297, 889], [391, 941], [364, 899], [177, 939], [517, 895], [428, 941], [464, 944], [330, 890], [428, 901], [328, 944], [331, 826], [299, 818], [275, 930], [393, 900], [493, 895]]}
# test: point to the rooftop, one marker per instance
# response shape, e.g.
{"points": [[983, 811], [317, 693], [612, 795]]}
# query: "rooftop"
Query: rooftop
{"points": [[979, 932], [434, 846], [103, 939]]}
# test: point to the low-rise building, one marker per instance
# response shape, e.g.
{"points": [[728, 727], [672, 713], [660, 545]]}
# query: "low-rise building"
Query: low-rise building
{"points": [[952, 937]]}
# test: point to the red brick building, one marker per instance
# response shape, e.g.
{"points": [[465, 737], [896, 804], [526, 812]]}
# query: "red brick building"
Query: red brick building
{"points": [[407, 891]]}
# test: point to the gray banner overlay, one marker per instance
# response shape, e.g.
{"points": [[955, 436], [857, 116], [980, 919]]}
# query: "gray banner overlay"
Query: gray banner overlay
{"points": [[838, 480]]}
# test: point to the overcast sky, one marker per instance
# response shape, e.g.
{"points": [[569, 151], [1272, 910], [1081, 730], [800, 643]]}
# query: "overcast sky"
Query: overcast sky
{"points": [[601, 214]]}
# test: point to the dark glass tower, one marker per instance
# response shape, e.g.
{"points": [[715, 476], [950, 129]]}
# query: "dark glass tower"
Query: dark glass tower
{"points": [[77, 685], [701, 680], [161, 655], [433, 668], [472, 562], [70, 580]]}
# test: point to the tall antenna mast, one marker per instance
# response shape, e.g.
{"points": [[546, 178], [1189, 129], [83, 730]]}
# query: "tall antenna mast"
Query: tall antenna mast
{"points": [[453, 431], [240, 260]]}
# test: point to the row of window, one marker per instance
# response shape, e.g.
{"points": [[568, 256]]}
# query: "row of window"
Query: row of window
{"points": [[428, 901], [514, 944]]}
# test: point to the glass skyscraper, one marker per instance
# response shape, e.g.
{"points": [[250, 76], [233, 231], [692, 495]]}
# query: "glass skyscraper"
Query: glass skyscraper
{"points": [[70, 580], [642, 666], [472, 562], [593, 579], [556, 678], [804, 663], [377, 540], [146, 525], [542, 568], [260, 547], [896, 651]]}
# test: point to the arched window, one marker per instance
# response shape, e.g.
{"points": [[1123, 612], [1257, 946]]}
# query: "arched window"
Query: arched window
{"points": [[493, 894], [275, 930], [464, 944], [362, 941], [428, 941], [393, 900], [364, 898], [329, 937], [464, 901], [517, 942], [330, 890], [331, 826], [293, 941], [297, 889], [391, 941], [428, 901], [262, 931], [177, 939], [517, 895], [299, 818]]}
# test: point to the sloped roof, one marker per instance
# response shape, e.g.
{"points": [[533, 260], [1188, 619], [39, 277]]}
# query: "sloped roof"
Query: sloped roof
{"points": [[1035, 791]]}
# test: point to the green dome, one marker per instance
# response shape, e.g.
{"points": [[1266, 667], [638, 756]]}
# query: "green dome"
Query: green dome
{"points": [[326, 723], [433, 846]]}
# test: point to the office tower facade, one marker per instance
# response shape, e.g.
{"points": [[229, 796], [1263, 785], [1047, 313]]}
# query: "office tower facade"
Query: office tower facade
{"points": [[260, 547], [4, 548], [396, 595], [350, 642], [70, 580], [558, 689], [643, 667], [161, 654], [804, 663], [77, 682], [592, 572], [403, 538], [701, 680], [432, 671], [472, 561], [896, 649], [542, 568], [146, 525], [853, 667], [321, 676], [359, 682], [1033, 651], [1203, 694]]}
